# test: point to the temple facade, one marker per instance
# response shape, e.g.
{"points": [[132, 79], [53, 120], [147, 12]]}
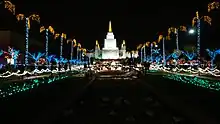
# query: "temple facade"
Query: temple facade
{"points": [[110, 49]]}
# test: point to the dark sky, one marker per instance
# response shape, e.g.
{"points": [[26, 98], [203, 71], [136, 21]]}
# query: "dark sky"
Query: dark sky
{"points": [[135, 21]]}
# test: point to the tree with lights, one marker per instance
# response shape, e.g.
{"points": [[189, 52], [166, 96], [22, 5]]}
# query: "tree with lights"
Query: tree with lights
{"points": [[190, 56], [212, 6], [212, 55], [138, 48], [73, 61], [9, 6], [176, 31], [14, 55], [62, 37], [197, 20], [143, 51], [60, 61], [36, 58], [47, 31], [175, 55], [78, 57], [163, 38], [57, 61], [49, 60], [73, 44], [1, 52], [27, 19], [154, 51]]}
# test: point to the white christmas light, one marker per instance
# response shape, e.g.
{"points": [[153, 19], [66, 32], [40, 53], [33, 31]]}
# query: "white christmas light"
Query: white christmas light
{"points": [[36, 71], [206, 71]]}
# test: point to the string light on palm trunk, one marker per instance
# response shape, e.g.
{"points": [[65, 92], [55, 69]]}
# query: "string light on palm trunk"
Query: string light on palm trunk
{"points": [[73, 44], [176, 31], [21, 17], [26, 41], [197, 20], [78, 51], [47, 40], [47, 31], [62, 37]]}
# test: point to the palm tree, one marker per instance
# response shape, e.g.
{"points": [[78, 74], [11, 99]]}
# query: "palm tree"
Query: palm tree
{"points": [[176, 31], [62, 37], [9, 6], [73, 44], [47, 31], [197, 20], [28, 19]]}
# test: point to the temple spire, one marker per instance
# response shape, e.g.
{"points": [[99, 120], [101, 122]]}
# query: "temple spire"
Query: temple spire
{"points": [[123, 42], [110, 27]]}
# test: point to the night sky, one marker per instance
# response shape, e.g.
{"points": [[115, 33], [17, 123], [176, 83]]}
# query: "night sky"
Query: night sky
{"points": [[136, 21]]}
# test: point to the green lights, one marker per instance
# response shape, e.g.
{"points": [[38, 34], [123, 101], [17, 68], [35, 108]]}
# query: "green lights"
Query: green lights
{"points": [[205, 83], [13, 88]]}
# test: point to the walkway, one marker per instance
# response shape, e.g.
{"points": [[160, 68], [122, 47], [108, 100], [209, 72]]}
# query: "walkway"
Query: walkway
{"points": [[109, 101]]}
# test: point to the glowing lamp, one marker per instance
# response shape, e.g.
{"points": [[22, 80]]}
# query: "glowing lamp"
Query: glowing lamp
{"points": [[191, 31]]}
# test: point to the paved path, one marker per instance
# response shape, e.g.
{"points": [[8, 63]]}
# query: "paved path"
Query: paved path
{"points": [[109, 101]]}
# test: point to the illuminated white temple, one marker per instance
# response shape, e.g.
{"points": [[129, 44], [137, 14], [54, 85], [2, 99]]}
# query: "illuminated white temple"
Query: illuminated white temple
{"points": [[110, 49]]}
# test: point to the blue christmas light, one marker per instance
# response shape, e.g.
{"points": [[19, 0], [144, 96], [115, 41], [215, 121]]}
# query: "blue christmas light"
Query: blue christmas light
{"points": [[158, 58], [155, 51], [190, 56], [49, 59], [14, 54], [212, 55], [175, 55], [168, 57], [36, 57], [1, 52]]}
